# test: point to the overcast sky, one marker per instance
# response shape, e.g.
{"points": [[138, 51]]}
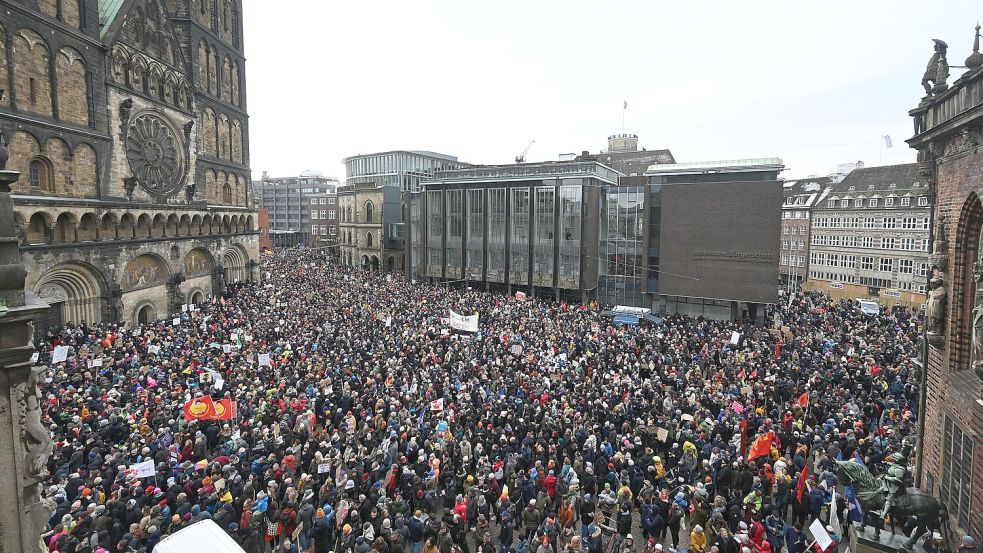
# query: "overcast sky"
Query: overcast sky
{"points": [[815, 83]]}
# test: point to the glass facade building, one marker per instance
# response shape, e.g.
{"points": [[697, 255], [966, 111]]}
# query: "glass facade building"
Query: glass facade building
{"points": [[516, 228], [402, 168]]}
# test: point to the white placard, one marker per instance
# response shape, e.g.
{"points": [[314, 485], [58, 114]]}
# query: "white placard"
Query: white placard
{"points": [[444, 332], [516, 349], [142, 470], [248, 338], [464, 323], [264, 360], [323, 468], [154, 349], [60, 354], [735, 337], [234, 337], [34, 357], [820, 535], [226, 348], [184, 308], [176, 321], [95, 362]]}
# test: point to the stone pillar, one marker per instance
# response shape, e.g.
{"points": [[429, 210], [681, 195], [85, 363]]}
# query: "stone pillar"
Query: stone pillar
{"points": [[25, 443]]}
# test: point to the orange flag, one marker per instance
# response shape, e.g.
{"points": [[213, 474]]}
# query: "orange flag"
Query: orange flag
{"points": [[803, 400], [761, 446]]}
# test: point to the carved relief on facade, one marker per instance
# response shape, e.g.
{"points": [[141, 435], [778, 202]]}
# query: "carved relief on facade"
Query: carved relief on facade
{"points": [[968, 139], [155, 153], [935, 310]]}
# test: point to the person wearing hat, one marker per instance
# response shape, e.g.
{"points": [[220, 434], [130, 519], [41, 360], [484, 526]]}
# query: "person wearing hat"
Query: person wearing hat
{"points": [[697, 540]]}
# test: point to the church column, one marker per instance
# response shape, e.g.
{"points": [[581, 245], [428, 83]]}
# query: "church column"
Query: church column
{"points": [[28, 442], [53, 78]]}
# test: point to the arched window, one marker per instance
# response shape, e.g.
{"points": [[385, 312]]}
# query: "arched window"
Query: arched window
{"points": [[368, 212], [349, 217], [227, 193], [40, 174], [368, 240]]}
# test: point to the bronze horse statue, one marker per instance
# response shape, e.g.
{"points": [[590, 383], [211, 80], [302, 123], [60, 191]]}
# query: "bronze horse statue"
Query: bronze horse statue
{"points": [[928, 511]]}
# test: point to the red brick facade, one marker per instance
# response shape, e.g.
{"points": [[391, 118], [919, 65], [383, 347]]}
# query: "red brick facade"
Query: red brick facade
{"points": [[950, 154]]}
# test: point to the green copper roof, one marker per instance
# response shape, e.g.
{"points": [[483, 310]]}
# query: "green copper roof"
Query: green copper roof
{"points": [[107, 13]]}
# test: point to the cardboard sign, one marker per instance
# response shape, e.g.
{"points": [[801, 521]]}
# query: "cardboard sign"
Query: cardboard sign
{"points": [[323, 468], [264, 360], [819, 534], [686, 417], [662, 434], [154, 349], [60, 354], [176, 321], [184, 308]]}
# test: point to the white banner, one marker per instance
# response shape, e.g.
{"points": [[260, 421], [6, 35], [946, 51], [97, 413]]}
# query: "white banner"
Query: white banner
{"points": [[142, 470], [264, 360], [464, 323], [153, 349]]}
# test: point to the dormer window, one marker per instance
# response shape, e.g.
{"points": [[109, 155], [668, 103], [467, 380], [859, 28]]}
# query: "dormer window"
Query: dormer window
{"points": [[859, 202], [922, 201], [906, 201], [844, 203], [889, 202], [873, 202]]}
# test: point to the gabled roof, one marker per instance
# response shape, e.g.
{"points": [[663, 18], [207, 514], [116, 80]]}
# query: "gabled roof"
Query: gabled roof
{"points": [[107, 13], [878, 180]]}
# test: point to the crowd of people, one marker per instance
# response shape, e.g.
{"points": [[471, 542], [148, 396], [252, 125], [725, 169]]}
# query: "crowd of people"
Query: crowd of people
{"points": [[375, 427]]}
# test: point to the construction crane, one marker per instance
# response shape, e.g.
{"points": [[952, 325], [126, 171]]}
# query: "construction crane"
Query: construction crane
{"points": [[521, 158]]}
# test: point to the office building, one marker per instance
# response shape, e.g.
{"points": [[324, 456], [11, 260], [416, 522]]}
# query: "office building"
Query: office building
{"points": [[324, 220], [870, 236], [287, 199], [127, 123], [403, 169], [800, 196], [576, 231]]}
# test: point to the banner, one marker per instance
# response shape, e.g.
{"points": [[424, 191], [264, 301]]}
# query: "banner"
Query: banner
{"points": [[142, 470], [463, 323], [205, 409], [437, 405]]}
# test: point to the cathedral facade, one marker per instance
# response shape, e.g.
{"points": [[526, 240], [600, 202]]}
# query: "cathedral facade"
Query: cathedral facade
{"points": [[127, 121]]}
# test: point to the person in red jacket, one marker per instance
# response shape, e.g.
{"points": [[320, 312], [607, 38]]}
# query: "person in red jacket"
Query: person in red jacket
{"points": [[550, 484]]}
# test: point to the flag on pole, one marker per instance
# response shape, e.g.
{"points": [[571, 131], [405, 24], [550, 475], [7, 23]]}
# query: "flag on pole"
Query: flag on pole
{"points": [[856, 511], [142, 470], [803, 400], [626, 104], [761, 446], [888, 143], [800, 487], [834, 515]]}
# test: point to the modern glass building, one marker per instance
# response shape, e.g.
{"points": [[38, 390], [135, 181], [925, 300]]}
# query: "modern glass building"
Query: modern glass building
{"points": [[402, 168], [532, 228]]}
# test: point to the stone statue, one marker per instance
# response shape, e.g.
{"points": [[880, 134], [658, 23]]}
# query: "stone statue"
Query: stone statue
{"points": [[887, 494], [124, 114], [21, 233], [937, 70], [4, 153], [34, 436], [935, 311], [129, 185]]}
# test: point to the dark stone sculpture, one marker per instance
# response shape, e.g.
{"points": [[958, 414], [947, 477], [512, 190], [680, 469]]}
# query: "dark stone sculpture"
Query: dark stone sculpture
{"points": [[975, 60], [937, 70], [886, 494], [4, 153]]}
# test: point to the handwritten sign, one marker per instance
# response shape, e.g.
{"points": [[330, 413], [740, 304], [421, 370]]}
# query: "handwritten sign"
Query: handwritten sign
{"points": [[60, 354], [323, 468], [153, 349], [176, 321], [819, 534], [264, 360], [662, 434]]}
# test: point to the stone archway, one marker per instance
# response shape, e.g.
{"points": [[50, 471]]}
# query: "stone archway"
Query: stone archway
{"points": [[197, 298], [76, 290], [374, 263], [234, 264], [365, 262], [146, 314]]}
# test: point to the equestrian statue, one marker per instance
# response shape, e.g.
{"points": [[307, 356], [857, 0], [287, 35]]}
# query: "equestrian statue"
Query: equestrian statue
{"points": [[886, 494]]}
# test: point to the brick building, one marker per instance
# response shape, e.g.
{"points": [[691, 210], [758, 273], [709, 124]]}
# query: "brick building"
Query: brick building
{"points": [[870, 237], [265, 242], [948, 123], [127, 123], [800, 196]]}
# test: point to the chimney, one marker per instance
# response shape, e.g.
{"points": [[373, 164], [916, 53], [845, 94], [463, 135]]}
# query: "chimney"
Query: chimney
{"points": [[860, 165]]}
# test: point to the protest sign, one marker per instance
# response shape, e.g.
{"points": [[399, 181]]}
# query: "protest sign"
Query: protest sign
{"points": [[464, 323], [60, 355]]}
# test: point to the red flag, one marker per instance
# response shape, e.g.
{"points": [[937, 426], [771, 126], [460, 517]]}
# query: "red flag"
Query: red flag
{"points": [[199, 408], [761, 446], [224, 410], [778, 350], [803, 400], [743, 436], [800, 487]]}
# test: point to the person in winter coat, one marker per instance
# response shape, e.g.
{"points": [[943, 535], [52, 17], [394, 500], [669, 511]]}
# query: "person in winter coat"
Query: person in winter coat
{"points": [[673, 524], [530, 519], [321, 533], [697, 540], [795, 538]]}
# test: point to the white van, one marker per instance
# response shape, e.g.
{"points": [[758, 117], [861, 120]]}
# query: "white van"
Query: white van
{"points": [[869, 307]]}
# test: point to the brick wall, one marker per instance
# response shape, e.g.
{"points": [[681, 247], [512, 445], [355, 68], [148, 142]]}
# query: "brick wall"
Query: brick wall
{"points": [[73, 103], [952, 388], [32, 78], [5, 101]]}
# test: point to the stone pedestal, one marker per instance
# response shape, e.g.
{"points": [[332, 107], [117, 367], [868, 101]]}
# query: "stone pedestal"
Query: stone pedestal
{"points": [[864, 541], [25, 444]]}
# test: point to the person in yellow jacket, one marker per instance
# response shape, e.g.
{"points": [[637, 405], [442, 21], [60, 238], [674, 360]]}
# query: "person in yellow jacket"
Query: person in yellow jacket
{"points": [[660, 470], [697, 540]]}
